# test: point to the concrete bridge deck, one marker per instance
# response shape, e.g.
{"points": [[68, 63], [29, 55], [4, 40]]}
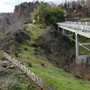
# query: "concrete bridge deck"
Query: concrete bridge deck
{"points": [[79, 28]]}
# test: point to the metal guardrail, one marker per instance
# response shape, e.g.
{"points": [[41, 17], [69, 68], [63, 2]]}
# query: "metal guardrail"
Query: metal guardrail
{"points": [[83, 26], [31, 75], [80, 23]]}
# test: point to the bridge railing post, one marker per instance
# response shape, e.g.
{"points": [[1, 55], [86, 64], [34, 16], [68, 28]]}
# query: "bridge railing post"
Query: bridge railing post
{"points": [[63, 31]]}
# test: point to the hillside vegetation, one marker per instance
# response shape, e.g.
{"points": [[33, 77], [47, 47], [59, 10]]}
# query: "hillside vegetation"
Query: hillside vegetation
{"points": [[48, 14], [42, 49], [53, 78], [34, 58]]}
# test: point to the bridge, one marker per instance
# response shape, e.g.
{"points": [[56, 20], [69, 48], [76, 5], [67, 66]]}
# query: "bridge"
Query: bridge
{"points": [[77, 28]]}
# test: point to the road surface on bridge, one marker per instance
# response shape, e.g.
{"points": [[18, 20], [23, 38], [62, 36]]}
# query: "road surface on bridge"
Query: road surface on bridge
{"points": [[81, 28]]}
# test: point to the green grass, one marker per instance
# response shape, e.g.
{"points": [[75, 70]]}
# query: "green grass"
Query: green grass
{"points": [[53, 78], [82, 50]]}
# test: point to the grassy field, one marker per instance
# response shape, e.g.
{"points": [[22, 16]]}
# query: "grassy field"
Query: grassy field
{"points": [[53, 78]]}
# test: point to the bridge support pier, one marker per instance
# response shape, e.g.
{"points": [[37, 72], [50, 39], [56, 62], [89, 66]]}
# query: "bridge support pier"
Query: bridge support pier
{"points": [[63, 32], [76, 41], [58, 29], [77, 46]]}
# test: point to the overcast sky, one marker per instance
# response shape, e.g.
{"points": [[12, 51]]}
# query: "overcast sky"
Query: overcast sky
{"points": [[8, 5]]}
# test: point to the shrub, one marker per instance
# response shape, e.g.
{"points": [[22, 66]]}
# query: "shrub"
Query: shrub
{"points": [[49, 14]]}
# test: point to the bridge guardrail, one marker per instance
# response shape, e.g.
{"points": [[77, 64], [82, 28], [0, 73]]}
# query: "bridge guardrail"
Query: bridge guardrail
{"points": [[80, 23], [82, 27]]}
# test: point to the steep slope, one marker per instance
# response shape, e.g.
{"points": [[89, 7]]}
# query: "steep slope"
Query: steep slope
{"points": [[11, 78], [35, 59]]}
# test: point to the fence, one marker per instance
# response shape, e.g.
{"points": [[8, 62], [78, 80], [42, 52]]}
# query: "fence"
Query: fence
{"points": [[31, 75]]}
